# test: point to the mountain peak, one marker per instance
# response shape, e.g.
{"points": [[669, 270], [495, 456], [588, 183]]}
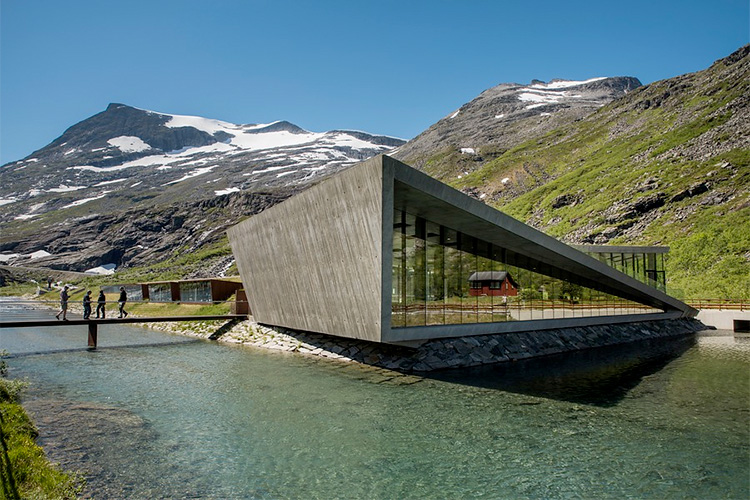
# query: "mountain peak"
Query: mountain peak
{"points": [[116, 105], [509, 114], [279, 126]]}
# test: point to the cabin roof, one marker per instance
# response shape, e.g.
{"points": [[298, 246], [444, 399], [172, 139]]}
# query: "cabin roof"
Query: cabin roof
{"points": [[492, 276]]}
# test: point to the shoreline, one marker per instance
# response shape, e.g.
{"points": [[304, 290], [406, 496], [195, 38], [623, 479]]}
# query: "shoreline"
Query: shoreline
{"points": [[439, 354], [459, 352]]}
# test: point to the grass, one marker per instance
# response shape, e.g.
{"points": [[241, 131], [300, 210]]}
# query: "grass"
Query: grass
{"points": [[18, 289], [603, 158], [24, 470], [182, 263], [177, 309]]}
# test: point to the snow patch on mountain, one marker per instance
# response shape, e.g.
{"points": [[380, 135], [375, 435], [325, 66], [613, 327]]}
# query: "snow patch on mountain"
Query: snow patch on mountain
{"points": [[564, 84], [194, 173], [208, 125], [243, 137], [106, 183], [270, 140], [540, 94], [222, 192], [129, 144], [269, 169], [65, 189], [105, 269], [345, 140], [86, 200]]}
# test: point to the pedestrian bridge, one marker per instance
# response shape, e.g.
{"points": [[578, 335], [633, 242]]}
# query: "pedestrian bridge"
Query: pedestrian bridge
{"points": [[93, 323]]}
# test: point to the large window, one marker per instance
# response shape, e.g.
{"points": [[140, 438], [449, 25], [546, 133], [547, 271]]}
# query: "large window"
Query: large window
{"points": [[134, 292], [160, 292], [432, 265], [195, 291], [645, 266]]}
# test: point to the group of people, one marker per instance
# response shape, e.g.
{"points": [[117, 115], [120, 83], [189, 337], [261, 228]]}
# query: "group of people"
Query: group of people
{"points": [[101, 303]]}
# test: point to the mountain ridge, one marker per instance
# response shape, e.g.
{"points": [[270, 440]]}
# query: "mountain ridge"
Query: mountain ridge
{"points": [[667, 164], [124, 144], [62, 199], [508, 114]]}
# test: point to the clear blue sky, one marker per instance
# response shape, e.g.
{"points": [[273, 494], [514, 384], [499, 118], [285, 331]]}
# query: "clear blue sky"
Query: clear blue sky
{"points": [[389, 67]]}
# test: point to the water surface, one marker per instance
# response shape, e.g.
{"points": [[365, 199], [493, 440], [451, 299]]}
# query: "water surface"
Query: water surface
{"points": [[198, 419]]}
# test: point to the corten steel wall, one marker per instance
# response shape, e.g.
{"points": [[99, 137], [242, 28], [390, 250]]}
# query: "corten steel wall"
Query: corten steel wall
{"points": [[313, 262], [223, 289], [239, 306]]}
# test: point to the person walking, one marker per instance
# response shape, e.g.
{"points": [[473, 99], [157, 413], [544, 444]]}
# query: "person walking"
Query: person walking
{"points": [[121, 302], [63, 304], [87, 305], [101, 302]]}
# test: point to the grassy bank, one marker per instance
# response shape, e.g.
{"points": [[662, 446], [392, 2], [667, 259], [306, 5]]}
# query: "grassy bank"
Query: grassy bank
{"points": [[24, 470]]}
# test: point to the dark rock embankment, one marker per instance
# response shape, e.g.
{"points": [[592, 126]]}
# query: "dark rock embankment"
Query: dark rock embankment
{"points": [[462, 352]]}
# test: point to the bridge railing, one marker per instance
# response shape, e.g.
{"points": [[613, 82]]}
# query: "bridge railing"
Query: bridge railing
{"points": [[76, 305], [722, 304]]}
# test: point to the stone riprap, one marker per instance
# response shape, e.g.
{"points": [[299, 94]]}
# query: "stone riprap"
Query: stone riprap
{"points": [[437, 354]]}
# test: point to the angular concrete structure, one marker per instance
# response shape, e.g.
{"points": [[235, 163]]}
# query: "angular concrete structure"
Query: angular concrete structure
{"points": [[382, 252]]}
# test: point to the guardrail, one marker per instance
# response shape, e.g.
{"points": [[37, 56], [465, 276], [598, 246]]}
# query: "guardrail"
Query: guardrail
{"points": [[76, 305], [725, 304]]}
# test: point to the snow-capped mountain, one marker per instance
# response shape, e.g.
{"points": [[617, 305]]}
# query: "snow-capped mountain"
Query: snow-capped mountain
{"points": [[129, 186], [506, 115], [125, 154]]}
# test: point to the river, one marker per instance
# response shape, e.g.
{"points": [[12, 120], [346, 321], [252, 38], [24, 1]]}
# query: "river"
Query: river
{"points": [[153, 415]]}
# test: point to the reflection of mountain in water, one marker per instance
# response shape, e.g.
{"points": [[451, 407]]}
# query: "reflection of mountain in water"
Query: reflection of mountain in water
{"points": [[600, 377]]}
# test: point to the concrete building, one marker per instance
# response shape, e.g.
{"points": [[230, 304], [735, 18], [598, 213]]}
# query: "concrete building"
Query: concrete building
{"points": [[382, 252]]}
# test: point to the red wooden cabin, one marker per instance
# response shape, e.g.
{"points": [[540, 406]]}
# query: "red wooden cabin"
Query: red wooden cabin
{"points": [[492, 283]]}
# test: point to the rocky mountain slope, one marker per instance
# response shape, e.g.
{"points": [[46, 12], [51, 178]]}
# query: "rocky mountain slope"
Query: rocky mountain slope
{"points": [[665, 164], [505, 116], [128, 186]]}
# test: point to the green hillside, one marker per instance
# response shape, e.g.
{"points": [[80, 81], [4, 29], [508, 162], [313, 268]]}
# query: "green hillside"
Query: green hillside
{"points": [[668, 164]]}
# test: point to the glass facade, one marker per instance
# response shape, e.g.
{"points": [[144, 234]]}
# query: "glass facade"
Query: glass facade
{"points": [[195, 291], [432, 265], [647, 267], [160, 292], [135, 292]]}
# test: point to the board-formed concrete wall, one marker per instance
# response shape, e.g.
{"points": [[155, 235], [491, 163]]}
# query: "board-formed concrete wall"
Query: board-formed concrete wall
{"points": [[322, 260], [314, 261]]}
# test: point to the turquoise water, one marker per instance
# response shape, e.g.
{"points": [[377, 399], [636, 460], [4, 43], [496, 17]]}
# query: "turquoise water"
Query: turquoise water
{"points": [[195, 419]]}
